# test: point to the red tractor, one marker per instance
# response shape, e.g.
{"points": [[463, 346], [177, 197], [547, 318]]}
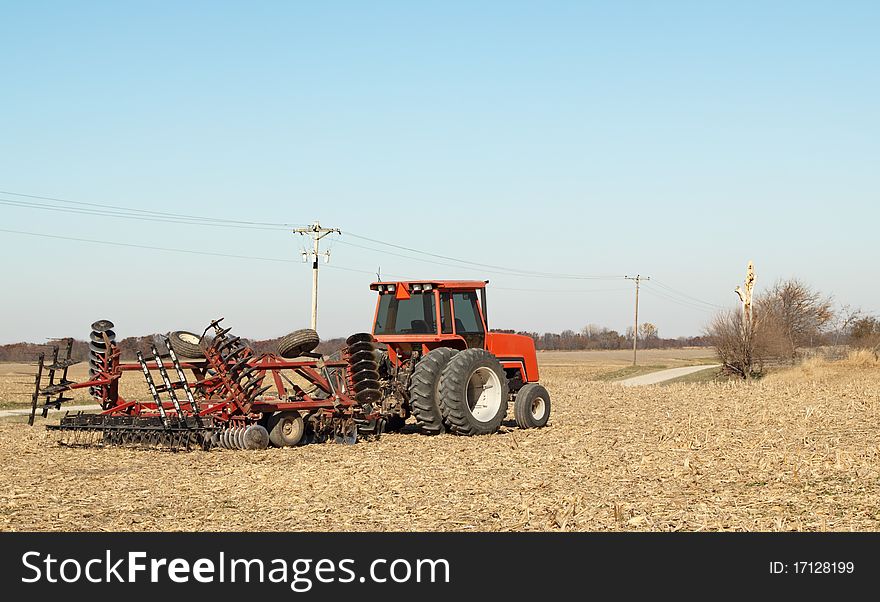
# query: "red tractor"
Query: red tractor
{"points": [[444, 366]]}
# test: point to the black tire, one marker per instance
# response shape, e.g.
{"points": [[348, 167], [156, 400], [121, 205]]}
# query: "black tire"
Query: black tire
{"points": [[286, 429], [424, 400], [531, 408], [470, 370], [185, 344], [298, 342]]}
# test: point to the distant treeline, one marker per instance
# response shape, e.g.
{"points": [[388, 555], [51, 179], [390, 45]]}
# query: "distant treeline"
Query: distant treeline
{"points": [[27, 352], [590, 337]]}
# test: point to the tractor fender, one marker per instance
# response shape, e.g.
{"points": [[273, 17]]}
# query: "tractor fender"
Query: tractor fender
{"points": [[515, 351]]}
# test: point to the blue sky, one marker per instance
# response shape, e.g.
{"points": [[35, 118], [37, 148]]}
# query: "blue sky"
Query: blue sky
{"points": [[674, 139]]}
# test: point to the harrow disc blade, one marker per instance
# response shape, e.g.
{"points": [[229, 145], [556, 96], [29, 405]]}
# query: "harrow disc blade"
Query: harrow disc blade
{"points": [[362, 356], [98, 348], [359, 337], [256, 437], [102, 325], [368, 395], [97, 338], [364, 365], [364, 375], [358, 347]]}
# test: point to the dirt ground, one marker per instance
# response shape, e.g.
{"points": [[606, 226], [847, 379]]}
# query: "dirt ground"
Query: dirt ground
{"points": [[796, 451]]}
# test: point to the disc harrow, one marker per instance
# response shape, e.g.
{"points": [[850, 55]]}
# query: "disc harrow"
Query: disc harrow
{"points": [[227, 401]]}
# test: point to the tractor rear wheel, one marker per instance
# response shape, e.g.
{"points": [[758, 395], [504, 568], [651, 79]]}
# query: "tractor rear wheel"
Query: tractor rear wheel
{"points": [[285, 428], [424, 400], [186, 344], [473, 393], [531, 408], [298, 342]]}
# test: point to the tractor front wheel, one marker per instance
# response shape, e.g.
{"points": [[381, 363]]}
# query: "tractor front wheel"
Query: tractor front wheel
{"points": [[531, 408], [473, 393]]}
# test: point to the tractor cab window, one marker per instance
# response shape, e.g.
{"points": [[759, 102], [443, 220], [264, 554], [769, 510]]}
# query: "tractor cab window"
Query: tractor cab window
{"points": [[467, 313], [406, 316]]}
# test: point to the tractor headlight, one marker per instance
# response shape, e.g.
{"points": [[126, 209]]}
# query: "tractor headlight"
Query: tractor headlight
{"points": [[427, 287], [416, 287], [390, 288]]}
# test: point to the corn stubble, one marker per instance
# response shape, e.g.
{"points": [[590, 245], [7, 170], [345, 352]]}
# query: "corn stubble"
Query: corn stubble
{"points": [[796, 451]]}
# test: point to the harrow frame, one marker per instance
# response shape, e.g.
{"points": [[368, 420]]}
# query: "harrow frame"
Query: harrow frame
{"points": [[225, 392]]}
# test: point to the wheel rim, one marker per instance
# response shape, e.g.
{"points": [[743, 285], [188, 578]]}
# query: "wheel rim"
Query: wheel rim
{"points": [[188, 338], [538, 408], [484, 394], [292, 430]]}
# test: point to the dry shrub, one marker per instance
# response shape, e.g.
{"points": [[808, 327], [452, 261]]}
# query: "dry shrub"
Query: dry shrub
{"points": [[861, 358], [822, 368], [741, 346]]}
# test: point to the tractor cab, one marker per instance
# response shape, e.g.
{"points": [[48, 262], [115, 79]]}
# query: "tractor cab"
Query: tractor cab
{"points": [[431, 313]]}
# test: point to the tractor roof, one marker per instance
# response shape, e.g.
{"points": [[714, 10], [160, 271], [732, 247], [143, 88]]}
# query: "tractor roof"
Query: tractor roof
{"points": [[437, 284]]}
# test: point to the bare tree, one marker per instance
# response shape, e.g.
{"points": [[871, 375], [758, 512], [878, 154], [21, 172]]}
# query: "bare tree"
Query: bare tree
{"points": [[846, 317], [865, 333], [799, 314], [649, 335], [739, 344]]}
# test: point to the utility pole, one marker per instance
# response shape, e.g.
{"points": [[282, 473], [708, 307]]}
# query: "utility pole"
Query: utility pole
{"points": [[638, 279], [317, 232]]}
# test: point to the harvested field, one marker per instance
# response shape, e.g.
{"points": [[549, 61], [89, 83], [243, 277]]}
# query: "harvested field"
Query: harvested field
{"points": [[797, 451]]}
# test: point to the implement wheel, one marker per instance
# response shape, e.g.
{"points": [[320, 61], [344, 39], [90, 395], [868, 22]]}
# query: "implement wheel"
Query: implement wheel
{"points": [[186, 344], [531, 409], [285, 428], [473, 393], [423, 390], [298, 342]]}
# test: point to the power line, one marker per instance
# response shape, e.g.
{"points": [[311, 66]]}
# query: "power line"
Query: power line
{"points": [[147, 247], [146, 211], [550, 290], [653, 291], [679, 293], [122, 212], [131, 216], [489, 269], [175, 250], [483, 265]]}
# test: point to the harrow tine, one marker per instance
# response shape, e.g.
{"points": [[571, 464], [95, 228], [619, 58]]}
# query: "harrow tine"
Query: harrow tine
{"points": [[181, 377], [40, 360], [152, 385], [51, 378], [167, 381]]}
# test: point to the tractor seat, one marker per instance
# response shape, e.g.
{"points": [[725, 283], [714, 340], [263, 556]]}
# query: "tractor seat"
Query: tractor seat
{"points": [[419, 326]]}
